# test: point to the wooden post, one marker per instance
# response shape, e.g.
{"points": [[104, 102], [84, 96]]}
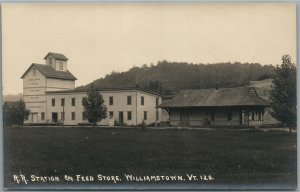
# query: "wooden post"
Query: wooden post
{"points": [[64, 115], [188, 112]]}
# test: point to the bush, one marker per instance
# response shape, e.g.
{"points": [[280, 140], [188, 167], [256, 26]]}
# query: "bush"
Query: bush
{"points": [[84, 124], [143, 125], [116, 123], [153, 125]]}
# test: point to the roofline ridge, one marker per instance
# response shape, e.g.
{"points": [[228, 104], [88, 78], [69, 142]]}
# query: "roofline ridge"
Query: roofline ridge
{"points": [[222, 88], [57, 54], [196, 89], [38, 64], [105, 89], [48, 76]]}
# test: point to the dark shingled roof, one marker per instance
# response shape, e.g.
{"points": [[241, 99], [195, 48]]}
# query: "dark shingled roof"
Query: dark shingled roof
{"points": [[50, 72], [10, 104], [240, 96], [57, 56]]}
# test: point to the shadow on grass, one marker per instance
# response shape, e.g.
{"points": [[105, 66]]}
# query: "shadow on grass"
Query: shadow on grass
{"points": [[232, 157]]}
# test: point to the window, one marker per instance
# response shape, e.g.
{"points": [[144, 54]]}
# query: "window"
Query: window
{"points": [[73, 101], [61, 66], [83, 116], [62, 116], [157, 101], [111, 115], [142, 100], [206, 113], [53, 102], [212, 116], [73, 116], [62, 102], [251, 91], [82, 101], [50, 61], [42, 116], [145, 115], [34, 71], [252, 116], [229, 116], [111, 100], [128, 100], [259, 115], [128, 115]]}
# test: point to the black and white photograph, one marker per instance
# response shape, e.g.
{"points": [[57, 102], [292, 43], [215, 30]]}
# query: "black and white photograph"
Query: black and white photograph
{"points": [[149, 96]]}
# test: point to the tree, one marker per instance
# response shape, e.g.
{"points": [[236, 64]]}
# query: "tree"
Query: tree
{"points": [[21, 113], [154, 86], [283, 93], [182, 75], [94, 108]]}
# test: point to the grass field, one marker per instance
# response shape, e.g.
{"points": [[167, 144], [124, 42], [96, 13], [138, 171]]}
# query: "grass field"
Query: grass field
{"points": [[242, 157]]}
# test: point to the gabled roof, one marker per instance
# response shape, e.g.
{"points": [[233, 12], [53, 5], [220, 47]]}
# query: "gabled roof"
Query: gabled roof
{"points": [[240, 96], [10, 104], [50, 72], [57, 56]]}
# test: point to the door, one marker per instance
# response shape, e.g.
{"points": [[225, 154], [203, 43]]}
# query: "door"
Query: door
{"points": [[121, 119], [54, 117], [34, 117], [184, 117], [241, 118], [212, 118], [246, 118]]}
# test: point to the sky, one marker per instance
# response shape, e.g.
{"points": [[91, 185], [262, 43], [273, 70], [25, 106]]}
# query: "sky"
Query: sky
{"points": [[101, 38]]}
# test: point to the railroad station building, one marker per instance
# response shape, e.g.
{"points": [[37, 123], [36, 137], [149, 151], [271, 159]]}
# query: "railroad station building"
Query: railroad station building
{"points": [[239, 106]]}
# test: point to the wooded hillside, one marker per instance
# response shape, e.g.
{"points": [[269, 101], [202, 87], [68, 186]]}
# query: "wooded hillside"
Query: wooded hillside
{"points": [[173, 76]]}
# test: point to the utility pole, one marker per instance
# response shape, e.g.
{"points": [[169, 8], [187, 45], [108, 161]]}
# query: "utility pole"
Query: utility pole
{"points": [[63, 114], [157, 99], [156, 103]]}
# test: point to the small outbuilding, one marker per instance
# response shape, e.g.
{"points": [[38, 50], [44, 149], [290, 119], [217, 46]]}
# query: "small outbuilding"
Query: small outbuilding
{"points": [[240, 106], [9, 113]]}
